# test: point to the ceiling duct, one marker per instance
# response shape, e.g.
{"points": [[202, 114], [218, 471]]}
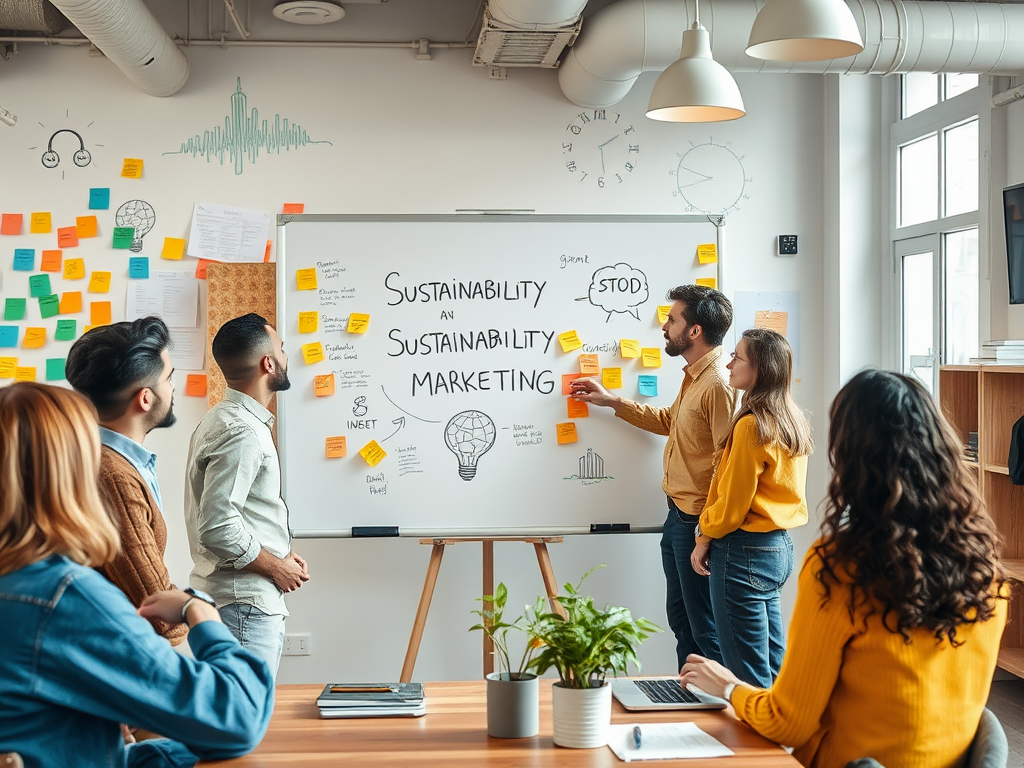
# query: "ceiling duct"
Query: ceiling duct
{"points": [[31, 16], [527, 33]]}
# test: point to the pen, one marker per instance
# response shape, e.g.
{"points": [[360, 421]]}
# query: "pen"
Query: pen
{"points": [[637, 736]]}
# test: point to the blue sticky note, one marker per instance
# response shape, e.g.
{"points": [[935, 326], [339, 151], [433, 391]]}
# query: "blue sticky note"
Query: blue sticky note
{"points": [[138, 267], [648, 385], [55, 369], [24, 259], [14, 309], [99, 198], [8, 335], [39, 285]]}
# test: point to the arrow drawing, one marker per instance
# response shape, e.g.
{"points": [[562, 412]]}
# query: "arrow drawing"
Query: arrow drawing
{"points": [[400, 421], [428, 421]]}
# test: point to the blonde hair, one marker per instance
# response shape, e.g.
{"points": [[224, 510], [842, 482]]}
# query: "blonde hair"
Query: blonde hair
{"points": [[49, 468]]}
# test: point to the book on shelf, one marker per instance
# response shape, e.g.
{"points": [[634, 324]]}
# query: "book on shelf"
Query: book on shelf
{"points": [[370, 695]]}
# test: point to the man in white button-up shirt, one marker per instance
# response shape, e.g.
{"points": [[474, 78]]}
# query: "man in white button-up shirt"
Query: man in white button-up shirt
{"points": [[236, 519]]}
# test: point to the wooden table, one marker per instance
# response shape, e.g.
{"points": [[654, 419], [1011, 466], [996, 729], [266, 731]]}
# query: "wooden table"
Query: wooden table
{"points": [[454, 733]]}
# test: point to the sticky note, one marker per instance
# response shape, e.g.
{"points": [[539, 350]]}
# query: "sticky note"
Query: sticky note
{"points": [[51, 261], [138, 268], [293, 208], [707, 253], [567, 380], [195, 385], [67, 237], [629, 349], [74, 269], [707, 282], [8, 335], [651, 357], [589, 365], [334, 447], [99, 282], [308, 321], [569, 341], [40, 224], [576, 409], [358, 323], [647, 385], [8, 365], [66, 330], [24, 259], [10, 224], [131, 168], [55, 369], [14, 309], [70, 302], [34, 338], [86, 226], [306, 279], [323, 386], [266, 253], [566, 433], [663, 311], [174, 248], [123, 237], [99, 313], [201, 266], [372, 453], [24, 374], [772, 319], [48, 306], [611, 378], [39, 285], [313, 353], [99, 198]]}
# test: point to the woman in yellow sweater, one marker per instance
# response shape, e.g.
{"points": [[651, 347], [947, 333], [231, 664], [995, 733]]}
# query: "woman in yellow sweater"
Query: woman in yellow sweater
{"points": [[900, 607], [758, 492]]}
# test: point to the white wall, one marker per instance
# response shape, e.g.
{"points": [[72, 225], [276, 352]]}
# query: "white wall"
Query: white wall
{"points": [[408, 137]]}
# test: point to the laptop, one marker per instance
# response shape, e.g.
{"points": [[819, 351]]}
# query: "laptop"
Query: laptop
{"points": [[662, 693]]}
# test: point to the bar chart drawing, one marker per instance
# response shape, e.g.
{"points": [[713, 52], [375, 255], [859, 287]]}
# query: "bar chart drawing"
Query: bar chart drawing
{"points": [[591, 467]]}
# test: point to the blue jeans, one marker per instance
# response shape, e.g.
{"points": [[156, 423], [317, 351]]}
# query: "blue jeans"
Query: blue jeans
{"points": [[687, 600], [256, 631], [747, 572]]}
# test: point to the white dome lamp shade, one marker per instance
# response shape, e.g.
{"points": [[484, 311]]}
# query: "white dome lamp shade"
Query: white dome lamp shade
{"points": [[804, 30]]}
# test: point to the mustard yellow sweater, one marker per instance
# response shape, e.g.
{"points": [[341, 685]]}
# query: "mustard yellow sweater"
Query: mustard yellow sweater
{"points": [[849, 689]]}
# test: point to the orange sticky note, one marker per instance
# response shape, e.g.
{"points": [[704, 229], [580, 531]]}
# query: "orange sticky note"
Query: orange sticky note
{"points": [[100, 313], [372, 453], [195, 385], [293, 208], [707, 253], [707, 282], [34, 338], [611, 378], [201, 267], [569, 341], [566, 433], [174, 248], [323, 386], [51, 261], [10, 224], [335, 447], [99, 282], [576, 409], [67, 237], [308, 321], [266, 254], [306, 279], [651, 357], [8, 365], [132, 168], [70, 302], [24, 374], [40, 224], [567, 380], [86, 226], [358, 323], [663, 311], [312, 353], [629, 349], [589, 366], [74, 269]]}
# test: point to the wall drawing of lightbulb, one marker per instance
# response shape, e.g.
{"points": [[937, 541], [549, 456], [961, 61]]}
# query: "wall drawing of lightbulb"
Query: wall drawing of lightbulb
{"points": [[469, 435], [138, 214]]}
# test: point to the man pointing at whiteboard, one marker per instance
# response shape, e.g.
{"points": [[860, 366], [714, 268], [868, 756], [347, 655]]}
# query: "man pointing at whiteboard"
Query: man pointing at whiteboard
{"points": [[236, 519], [696, 425]]}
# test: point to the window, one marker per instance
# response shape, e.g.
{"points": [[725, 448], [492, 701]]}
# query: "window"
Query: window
{"points": [[921, 90]]}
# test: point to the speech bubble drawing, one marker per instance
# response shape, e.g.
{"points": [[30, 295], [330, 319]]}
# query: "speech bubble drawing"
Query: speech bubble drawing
{"points": [[619, 288]]}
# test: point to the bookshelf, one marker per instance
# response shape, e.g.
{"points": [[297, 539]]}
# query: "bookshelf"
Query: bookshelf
{"points": [[988, 399]]}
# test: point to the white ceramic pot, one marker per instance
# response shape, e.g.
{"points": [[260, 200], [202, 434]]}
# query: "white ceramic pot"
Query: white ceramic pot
{"points": [[581, 717], [513, 706]]}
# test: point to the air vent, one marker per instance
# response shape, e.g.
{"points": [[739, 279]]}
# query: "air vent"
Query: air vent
{"points": [[309, 12], [502, 46]]}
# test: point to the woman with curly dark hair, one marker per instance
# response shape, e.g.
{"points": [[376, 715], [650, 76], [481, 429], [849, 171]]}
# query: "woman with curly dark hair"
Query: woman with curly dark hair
{"points": [[900, 606]]}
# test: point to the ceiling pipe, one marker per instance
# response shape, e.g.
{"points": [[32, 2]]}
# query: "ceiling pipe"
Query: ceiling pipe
{"points": [[530, 14], [622, 40]]}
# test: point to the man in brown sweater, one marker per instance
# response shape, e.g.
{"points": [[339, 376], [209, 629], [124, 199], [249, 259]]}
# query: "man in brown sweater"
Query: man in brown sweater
{"points": [[125, 370]]}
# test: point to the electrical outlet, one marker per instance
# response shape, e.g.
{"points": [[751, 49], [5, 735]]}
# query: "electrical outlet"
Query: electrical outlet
{"points": [[298, 644], [787, 245]]}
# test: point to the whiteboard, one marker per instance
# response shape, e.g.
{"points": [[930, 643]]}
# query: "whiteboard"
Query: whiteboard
{"points": [[458, 376]]}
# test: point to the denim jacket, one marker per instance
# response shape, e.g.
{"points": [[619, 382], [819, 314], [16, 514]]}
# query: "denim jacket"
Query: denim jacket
{"points": [[76, 661]]}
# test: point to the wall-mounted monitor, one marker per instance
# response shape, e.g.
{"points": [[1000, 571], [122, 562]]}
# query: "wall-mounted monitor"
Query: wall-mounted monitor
{"points": [[1013, 217]]}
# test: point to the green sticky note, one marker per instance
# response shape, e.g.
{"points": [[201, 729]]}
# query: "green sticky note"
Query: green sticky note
{"points": [[14, 309], [66, 330], [49, 306], [55, 369], [123, 237], [39, 285]]}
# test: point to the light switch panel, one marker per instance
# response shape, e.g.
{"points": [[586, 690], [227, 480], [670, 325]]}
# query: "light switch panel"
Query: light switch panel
{"points": [[787, 245]]}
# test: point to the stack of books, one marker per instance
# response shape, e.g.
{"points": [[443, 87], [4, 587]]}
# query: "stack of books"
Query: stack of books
{"points": [[1001, 352], [372, 700]]}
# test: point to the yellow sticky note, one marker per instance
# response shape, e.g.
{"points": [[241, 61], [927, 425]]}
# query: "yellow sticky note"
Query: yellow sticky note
{"points": [[8, 365], [358, 323], [39, 223], [306, 278], [768, 318], [707, 253], [707, 282], [74, 269], [335, 447], [24, 374], [663, 311], [576, 409], [70, 303], [99, 313], [34, 338], [313, 353], [569, 341], [132, 168], [99, 282], [651, 357], [566, 433], [611, 378], [323, 386], [174, 248], [86, 226], [308, 321], [629, 349], [589, 366], [372, 453]]}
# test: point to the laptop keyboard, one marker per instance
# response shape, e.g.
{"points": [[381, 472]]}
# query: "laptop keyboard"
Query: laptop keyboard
{"points": [[666, 692]]}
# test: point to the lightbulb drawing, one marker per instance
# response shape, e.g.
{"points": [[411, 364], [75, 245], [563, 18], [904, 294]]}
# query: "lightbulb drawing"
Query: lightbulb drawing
{"points": [[469, 435], [138, 214]]}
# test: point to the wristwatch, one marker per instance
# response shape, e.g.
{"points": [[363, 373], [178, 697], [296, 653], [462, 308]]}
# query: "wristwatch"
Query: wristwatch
{"points": [[728, 692], [697, 532], [194, 594]]}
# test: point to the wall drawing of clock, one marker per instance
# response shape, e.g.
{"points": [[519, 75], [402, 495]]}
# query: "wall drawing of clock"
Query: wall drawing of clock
{"points": [[600, 148], [710, 178]]}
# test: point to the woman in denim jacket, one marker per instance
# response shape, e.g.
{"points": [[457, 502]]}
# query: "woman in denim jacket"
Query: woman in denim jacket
{"points": [[76, 660]]}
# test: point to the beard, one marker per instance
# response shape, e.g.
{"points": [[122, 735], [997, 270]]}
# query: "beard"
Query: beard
{"points": [[168, 419], [678, 347], [280, 382]]}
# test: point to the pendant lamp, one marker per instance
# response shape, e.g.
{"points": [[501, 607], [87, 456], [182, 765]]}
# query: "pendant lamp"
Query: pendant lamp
{"points": [[696, 88], [804, 30]]}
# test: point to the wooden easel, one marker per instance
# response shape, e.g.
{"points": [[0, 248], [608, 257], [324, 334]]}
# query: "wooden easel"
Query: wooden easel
{"points": [[540, 545]]}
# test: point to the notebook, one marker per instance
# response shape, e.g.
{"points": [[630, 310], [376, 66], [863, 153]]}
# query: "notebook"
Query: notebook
{"points": [[374, 711], [662, 693], [371, 694]]}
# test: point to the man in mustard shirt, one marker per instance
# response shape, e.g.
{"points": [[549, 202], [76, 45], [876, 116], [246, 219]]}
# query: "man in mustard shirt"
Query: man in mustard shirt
{"points": [[696, 425]]}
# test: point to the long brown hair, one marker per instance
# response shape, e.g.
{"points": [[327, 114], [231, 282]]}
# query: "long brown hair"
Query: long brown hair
{"points": [[49, 466], [779, 418], [904, 524]]}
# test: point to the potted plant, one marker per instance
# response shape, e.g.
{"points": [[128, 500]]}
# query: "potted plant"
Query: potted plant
{"points": [[583, 646], [513, 700]]}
